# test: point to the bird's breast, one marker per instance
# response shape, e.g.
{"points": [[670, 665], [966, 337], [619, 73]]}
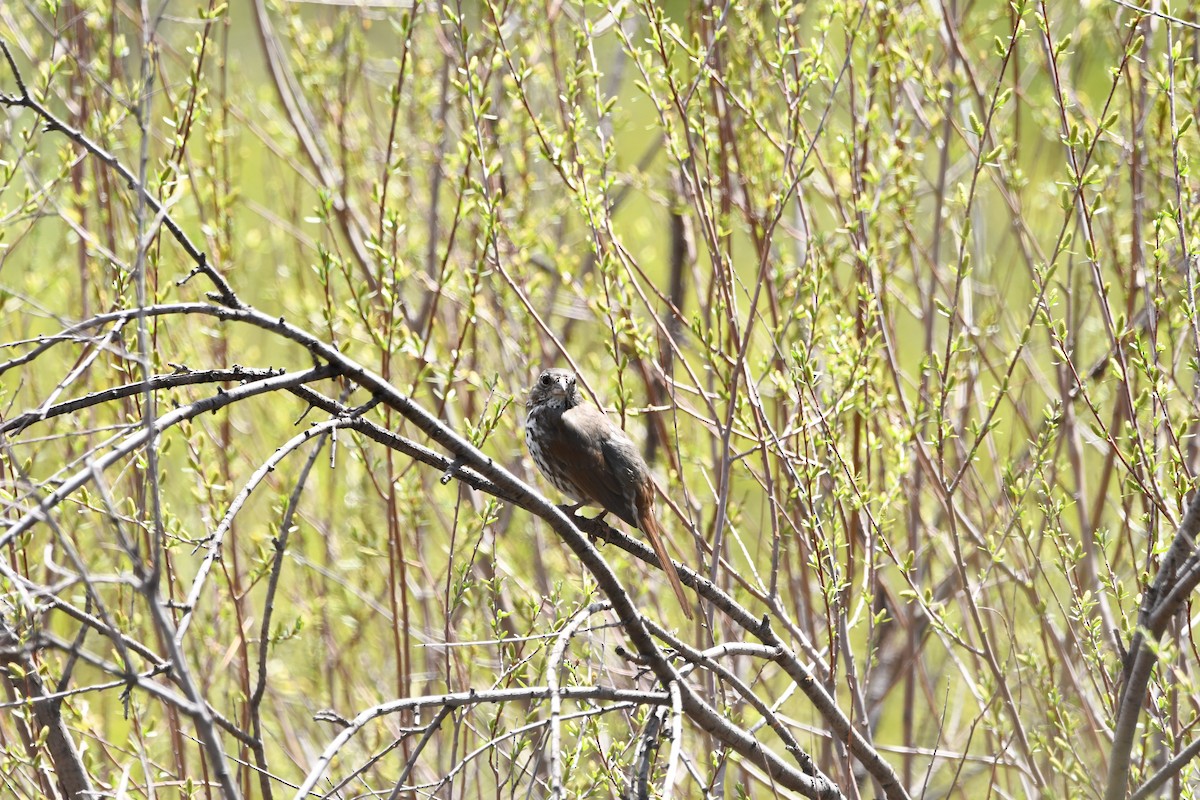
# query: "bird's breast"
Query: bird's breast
{"points": [[542, 437]]}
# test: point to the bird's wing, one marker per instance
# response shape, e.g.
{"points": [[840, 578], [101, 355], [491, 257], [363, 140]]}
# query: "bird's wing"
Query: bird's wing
{"points": [[623, 459], [588, 438], [614, 475]]}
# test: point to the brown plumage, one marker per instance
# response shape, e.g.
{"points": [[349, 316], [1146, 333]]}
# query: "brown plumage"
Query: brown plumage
{"points": [[592, 461]]}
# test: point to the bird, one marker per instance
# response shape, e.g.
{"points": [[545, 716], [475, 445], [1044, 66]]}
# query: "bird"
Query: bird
{"points": [[592, 461]]}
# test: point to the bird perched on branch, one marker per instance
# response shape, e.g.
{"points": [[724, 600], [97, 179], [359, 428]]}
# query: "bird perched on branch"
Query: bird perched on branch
{"points": [[592, 461]]}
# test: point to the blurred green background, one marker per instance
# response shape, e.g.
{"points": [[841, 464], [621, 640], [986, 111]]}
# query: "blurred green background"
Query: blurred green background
{"points": [[899, 299]]}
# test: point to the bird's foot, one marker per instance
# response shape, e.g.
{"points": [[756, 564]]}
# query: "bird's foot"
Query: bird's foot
{"points": [[589, 525], [570, 509]]}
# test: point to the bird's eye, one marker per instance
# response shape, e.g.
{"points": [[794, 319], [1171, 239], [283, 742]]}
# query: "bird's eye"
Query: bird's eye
{"points": [[544, 380]]}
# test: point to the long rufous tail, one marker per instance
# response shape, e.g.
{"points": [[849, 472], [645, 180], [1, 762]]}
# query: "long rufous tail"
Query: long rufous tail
{"points": [[649, 525]]}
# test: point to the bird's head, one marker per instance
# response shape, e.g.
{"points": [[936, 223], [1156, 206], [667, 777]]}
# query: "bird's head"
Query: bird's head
{"points": [[554, 388]]}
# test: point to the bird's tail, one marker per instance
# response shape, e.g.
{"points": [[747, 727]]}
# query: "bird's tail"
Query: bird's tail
{"points": [[650, 526]]}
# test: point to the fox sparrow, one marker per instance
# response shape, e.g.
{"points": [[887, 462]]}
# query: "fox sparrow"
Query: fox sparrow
{"points": [[592, 461]]}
